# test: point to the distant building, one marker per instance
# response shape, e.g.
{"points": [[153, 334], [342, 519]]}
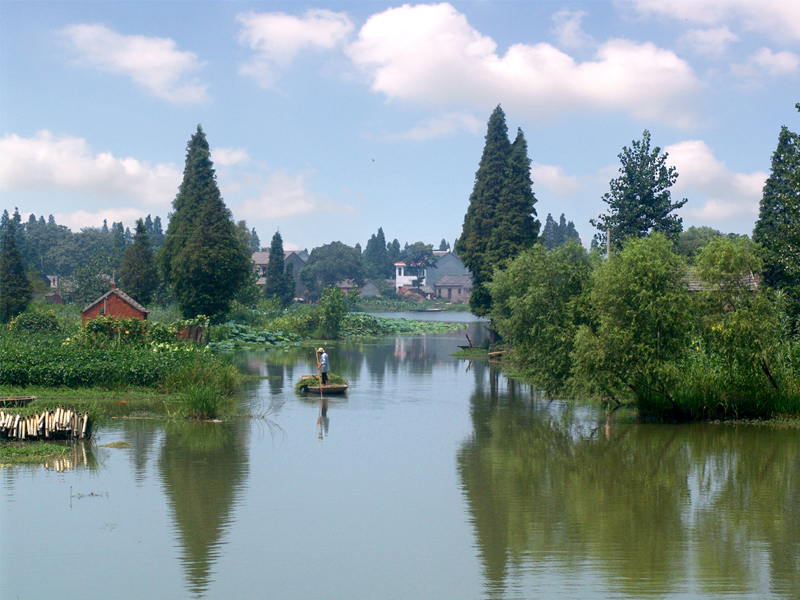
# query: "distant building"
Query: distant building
{"points": [[370, 288], [455, 288], [114, 303], [297, 259], [447, 264], [406, 274]]}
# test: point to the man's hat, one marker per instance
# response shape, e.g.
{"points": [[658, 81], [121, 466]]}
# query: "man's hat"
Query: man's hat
{"points": [[320, 350]]}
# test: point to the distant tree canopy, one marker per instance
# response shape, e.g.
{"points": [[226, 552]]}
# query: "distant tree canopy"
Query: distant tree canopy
{"points": [[500, 220], [377, 262], [639, 202], [203, 258], [330, 264], [15, 289], [556, 234]]}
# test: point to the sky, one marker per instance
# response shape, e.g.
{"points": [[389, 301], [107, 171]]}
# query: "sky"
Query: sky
{"points": [[328, 120]]}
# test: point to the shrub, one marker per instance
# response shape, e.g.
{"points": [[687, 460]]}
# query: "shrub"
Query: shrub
{"points": [[35, 321]]}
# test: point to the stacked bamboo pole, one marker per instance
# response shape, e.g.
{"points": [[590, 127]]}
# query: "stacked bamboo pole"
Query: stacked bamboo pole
{"points": [[50, 424]]}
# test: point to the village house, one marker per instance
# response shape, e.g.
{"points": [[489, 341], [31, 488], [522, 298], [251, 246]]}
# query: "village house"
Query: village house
{"points": [[454, 288], [447, 264], [297, 259], [114, 303]]}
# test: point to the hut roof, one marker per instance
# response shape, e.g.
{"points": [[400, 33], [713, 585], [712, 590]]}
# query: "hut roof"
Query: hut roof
{"points": [[121, 295]]}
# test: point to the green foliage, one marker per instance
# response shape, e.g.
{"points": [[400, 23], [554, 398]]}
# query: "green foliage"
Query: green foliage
{"points": [[35, 320], [15, 289], [333, 307], [694, 238], [231, 336], [280, 280], [499, 222], [106, 331], [137, 272], [778, 225], [91, 281], [538, 303], [642, 315], [377, 262], [203, 258], [639, 201], [328, 265], [555, 234]]}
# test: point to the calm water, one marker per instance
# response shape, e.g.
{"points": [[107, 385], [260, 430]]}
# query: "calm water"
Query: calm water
{"points": [[433, 478]]}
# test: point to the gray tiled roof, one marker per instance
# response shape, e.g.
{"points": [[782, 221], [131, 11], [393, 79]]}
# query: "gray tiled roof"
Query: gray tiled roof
{"points": [[463, 281]]}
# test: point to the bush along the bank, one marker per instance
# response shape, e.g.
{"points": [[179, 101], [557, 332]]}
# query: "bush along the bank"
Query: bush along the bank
{"points": [[629, 330]]}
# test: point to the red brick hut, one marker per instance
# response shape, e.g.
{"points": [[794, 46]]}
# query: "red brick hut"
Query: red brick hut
{"points": [[114, 303]]}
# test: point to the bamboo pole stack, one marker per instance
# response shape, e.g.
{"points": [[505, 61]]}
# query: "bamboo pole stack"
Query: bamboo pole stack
{"points": [[50, 424]]}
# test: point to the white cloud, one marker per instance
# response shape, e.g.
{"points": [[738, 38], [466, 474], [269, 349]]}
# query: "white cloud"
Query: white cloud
{"points": [[431, 55], [153, 63], [82, 218], [277, 38], [727, 195], [779, 18], [712, 42], [445, 125], [229, 156], [765, 62], [554, 179], [45, 162], [568, 29], [285, 196]]}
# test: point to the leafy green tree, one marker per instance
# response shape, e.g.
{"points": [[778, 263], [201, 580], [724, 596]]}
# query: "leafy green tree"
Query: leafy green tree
{"points": [[639, 202], [330, 264], [778, 225], [213, 267], [280, 284], [377, 262], [333, 308], [393, 251], [203, 258], [642, 321], [420, 256], [92, 279], [138, 274], [694, 238], [537, 305], [155, 232], [444, 245], [15, 289]]}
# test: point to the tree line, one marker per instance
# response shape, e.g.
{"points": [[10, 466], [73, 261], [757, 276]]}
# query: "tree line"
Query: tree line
{"points": [[682, 324]]}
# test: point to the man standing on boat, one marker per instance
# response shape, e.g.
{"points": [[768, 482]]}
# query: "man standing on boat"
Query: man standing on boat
{"points": [[324, 365]]}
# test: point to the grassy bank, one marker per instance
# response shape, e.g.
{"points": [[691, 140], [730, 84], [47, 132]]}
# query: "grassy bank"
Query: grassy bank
{"points": [[31, 452]]}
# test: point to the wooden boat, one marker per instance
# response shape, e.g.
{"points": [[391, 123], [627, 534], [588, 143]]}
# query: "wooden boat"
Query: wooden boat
{"points": [[16, 400], [326, 389]]}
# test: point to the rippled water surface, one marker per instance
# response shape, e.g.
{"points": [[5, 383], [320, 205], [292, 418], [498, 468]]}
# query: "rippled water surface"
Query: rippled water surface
{"points": [[432, 478]]}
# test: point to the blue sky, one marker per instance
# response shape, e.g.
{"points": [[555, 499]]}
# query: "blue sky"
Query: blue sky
{"points": [[328, 120]]}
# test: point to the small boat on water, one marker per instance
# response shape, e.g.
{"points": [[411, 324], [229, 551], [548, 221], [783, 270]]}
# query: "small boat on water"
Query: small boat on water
{"points": [[309, 384]]}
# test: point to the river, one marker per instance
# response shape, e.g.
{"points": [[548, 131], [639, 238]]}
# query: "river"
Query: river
{"points": [[434, 478]]}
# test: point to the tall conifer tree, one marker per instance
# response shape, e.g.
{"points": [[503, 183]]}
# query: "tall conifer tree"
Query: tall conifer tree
{"points": [[15, 289], [778, 225], [280, 284], [203, 257], [137, 273], [516, 228]]}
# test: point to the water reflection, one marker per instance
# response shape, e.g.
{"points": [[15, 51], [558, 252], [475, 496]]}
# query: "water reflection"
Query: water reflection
{"points": [[204, 468], [553, 487]]}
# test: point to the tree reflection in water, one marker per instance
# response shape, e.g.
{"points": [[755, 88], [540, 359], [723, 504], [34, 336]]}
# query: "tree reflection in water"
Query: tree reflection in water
{"points": [[204, 468], [552, 487]]}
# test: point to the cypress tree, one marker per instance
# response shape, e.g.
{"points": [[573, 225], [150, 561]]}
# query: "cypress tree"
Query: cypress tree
{"points": [[199, 186], [377, 262], [778, 225], [280, 283], [516, 228], [203, 258], [138, 274], [15, 289]]}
